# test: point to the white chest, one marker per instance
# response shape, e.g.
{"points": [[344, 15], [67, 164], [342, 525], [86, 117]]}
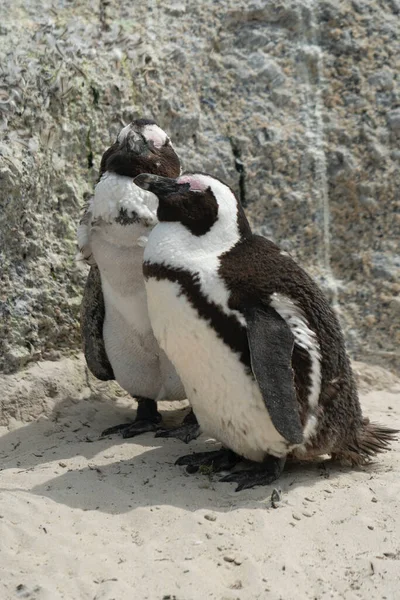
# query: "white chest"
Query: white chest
{"points": [[226, 400], [122, 281]]}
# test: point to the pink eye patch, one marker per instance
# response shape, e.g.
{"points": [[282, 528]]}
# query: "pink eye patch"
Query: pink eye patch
{"points": [[155, 134], [196, 184]]}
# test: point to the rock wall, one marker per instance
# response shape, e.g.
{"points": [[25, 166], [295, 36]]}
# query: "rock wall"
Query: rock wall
{"points": [[296, 104]]}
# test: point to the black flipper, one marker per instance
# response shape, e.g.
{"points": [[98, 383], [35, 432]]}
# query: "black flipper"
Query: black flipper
{"points": [[92, 319], [271, 346]]}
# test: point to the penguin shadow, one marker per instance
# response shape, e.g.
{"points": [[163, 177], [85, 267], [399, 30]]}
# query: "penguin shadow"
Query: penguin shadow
{"points": [[143, 471], [151, 479], [72, 429]]}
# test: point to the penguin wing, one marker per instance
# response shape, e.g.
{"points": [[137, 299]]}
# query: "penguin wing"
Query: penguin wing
{"points": [[271, 345], [92, 319], [83, 235]]}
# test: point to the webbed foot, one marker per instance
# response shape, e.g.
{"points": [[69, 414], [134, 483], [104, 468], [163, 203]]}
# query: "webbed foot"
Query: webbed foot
{"points": [[260, 474], [185, 433], [188, 431], [129, 430], [218, 460], [147, 419]]}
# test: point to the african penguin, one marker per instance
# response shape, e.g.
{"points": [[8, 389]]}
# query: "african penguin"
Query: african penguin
{"points": [[117, 336], [256, 345]]}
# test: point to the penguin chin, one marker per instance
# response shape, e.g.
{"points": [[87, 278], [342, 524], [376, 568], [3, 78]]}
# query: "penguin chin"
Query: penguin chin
{"points": [[117, 194], [132, 235]]}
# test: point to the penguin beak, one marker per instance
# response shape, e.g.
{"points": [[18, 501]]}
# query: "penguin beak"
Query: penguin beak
{"points": [[134, 143], [160, 186]]}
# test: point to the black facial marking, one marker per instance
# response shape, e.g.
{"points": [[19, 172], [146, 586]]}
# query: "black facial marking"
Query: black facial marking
{"points": [[227, 327], [124, 158], [197, 211], [163, 161], [243, 224]]}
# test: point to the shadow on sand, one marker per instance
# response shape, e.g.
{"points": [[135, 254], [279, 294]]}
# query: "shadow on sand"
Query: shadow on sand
{"points": [[148, 477]]}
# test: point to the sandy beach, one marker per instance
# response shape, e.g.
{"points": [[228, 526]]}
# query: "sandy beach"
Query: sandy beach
{"points": [[83, 518]]}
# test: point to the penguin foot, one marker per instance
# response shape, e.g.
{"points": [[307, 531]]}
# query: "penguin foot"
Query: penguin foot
{"points": [[129, 430], [185, 433], [260, 474], [147, 419], [217, 460], [188, 431]]}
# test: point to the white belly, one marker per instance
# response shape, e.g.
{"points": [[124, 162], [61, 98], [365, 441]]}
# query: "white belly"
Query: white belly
{"points": [[227, 402], [131, 347]]}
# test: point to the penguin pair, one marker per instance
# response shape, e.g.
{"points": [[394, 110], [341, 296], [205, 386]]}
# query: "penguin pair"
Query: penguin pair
{"points": [[118, 341], [229, 318]]}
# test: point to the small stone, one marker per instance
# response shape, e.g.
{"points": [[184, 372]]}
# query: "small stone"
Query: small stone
{"points": [[62, 464], [373, 499], [210, 517], [229, 559], [371, 527], [233, 559], [275, 498], [296, 516], [237, 585], [306, 513]]}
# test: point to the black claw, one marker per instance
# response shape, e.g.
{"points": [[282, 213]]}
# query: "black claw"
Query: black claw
{"points": [[114, 429], [129, 430], [185, 433]]}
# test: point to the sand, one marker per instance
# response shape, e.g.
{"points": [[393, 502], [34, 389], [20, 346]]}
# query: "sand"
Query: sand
{"points": [[83, 518]]}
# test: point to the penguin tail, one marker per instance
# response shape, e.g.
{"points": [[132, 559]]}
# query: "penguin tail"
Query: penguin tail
{"points": [[370, 440]]}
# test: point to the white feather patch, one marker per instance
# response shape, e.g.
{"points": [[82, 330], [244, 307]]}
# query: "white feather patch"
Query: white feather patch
{"points": [[115, 192], [155, 134]]}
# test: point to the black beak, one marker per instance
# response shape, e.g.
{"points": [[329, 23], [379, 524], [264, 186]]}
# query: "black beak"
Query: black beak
{"points": [[134, 143], [160, 186]]}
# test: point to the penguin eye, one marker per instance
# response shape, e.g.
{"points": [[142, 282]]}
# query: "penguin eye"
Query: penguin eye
{"points": [[167, 142]]}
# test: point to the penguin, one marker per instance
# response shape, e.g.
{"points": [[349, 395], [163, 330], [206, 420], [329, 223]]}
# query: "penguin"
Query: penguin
{"points": [[118, 341], [258, 349]]}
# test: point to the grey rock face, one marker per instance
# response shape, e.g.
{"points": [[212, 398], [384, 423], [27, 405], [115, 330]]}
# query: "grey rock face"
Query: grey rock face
{"points": [[294, 103]]}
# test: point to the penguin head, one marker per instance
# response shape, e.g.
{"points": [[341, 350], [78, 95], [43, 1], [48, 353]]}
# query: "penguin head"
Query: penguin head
{"points": [[199, 202], [141, 147]]}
